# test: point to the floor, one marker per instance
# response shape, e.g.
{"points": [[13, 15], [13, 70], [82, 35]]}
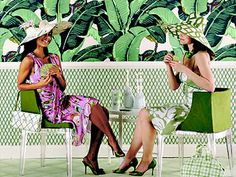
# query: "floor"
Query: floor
{"points": [[57, 168]]}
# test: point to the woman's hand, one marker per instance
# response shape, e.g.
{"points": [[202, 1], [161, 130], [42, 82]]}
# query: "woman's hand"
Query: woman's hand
{"points": [[178, 67], [55, 71], [45, 81], [168, 58], [173, 82]]}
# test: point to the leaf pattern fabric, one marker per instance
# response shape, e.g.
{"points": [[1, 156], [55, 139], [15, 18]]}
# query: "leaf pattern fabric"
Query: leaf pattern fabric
{"points": [[165, 119]]}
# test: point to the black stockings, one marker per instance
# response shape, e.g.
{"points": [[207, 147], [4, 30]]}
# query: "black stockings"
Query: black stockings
{"points": [[100, 125], [99, 117]]}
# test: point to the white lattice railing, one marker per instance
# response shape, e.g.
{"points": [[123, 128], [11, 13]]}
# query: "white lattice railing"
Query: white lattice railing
{"points": [[119, 65]]}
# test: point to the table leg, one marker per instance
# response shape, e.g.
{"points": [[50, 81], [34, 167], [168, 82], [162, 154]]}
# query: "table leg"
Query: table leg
{"points": [[120, 130]]}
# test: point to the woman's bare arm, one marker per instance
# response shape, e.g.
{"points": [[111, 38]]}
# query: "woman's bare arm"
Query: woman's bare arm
{"points": [[25, 71], [206, 79]]}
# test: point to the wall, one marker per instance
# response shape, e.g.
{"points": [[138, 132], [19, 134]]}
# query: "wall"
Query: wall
{"points": [[116, 30]]}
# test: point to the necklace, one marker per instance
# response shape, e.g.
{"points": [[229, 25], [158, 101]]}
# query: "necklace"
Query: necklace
{"points": [[188, 54]]}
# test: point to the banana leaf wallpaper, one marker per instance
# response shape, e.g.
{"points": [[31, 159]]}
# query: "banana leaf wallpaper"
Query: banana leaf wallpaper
{"points": [[118, 28]]}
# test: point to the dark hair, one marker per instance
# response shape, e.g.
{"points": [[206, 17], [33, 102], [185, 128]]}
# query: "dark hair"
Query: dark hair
{"points": [[30, 47], [198, 46]]}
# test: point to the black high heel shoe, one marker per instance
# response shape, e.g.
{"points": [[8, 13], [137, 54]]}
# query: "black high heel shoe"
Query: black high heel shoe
{"points": [[96, 171], [152, 165], [118, 153], [132, 163]]}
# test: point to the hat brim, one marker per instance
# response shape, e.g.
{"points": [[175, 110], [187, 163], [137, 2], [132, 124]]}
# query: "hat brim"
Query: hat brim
{"points": [[191, 31], [35, 33]]}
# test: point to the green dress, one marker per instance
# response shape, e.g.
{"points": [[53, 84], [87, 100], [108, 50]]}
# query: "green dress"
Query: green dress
{"points": [[166, 119]]}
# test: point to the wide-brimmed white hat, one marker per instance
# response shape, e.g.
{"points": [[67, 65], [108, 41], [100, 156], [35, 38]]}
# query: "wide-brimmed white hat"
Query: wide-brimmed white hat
{"points": [[33, 32], [193, 27]]}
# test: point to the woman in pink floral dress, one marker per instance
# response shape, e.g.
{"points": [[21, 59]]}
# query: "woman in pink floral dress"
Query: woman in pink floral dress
{"points": [[57, 107]]}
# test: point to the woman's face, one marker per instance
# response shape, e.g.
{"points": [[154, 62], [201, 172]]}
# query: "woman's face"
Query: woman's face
{"points": [[44, 40], [184, 39]]}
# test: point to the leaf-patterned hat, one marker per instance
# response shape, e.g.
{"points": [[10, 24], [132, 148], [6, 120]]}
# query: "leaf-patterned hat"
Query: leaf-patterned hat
{"points": [[33, 32], [192, 27]]}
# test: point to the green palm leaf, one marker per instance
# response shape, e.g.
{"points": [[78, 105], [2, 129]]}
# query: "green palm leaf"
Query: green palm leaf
{"points": [[27, 15], [45, 16], [3, 3], [121, 47], [157, 33], [94, 34], [197, 6], [224, 52], [218, 22], [5, 15], [176, 46], [18, 35], [56, 7], [126, 48], [159, 56], [104, 26], [151, 4], [68, 54], [81, 20], [231, 31], [105, 30], [148, 20], [53, 47], [10, 22], [166, 15], [92, 60], [100, 52], [4, 35], [12, 56], [135, 6], [14, 14], [118, 12], [111, 38]]}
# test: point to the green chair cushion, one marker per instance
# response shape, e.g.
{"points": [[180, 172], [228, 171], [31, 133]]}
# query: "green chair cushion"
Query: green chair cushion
{"points": [[210, 112], [47, 124]]}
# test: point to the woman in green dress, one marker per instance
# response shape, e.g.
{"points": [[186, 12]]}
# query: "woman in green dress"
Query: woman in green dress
{"points": [[194, 73]]}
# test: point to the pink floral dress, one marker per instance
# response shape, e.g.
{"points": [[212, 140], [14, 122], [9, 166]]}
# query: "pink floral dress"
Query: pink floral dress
{"points": [[58, 107]]}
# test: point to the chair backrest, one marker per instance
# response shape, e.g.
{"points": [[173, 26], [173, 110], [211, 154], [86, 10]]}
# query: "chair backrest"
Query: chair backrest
{"points": [[29, 101], [210, 112]]}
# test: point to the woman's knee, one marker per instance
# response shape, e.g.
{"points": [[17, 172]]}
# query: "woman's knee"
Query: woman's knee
{"points": [[143, 116], [99, 109], [106, 112]]}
